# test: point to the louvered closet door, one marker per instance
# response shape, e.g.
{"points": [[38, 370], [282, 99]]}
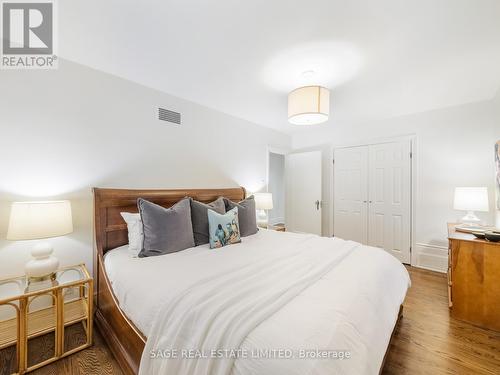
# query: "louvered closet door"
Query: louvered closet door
{"points": [[351, 194], [389, 186]]}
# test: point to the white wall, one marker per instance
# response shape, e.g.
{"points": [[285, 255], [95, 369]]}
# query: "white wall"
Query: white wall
{"points": [[454, 148], [276, 186], [64, 131]]}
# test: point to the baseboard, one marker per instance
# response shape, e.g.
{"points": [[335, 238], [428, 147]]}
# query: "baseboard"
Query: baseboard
{"points": [[430, 257]]}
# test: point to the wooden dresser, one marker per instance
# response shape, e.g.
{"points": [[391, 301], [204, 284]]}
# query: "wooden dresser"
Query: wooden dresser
{"points": [[474, 279]]}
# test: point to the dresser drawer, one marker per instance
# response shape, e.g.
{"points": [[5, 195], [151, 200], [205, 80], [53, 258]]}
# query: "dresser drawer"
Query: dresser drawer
{"points": [[473, 280], [450, 283], [449, 274], [449, 254], [450, 300]]}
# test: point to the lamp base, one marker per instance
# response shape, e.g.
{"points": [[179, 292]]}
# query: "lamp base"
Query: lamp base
{"points": [[262, 220], [470, 219], [44, 265], [37, 279]]}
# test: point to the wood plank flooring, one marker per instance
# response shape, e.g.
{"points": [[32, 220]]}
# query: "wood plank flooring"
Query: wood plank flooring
{"points": [[96, 360], [427, 340]]}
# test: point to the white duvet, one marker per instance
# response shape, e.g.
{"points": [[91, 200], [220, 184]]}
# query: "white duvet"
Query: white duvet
{"points": [[275, 298]]}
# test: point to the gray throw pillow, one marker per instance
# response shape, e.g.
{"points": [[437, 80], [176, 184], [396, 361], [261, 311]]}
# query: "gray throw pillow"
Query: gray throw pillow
{"points": [[246, 215], [166, 230], [199, 218]]}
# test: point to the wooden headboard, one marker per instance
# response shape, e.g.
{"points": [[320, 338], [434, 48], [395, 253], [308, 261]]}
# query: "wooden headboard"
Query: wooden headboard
{"points": [[110, 228]]}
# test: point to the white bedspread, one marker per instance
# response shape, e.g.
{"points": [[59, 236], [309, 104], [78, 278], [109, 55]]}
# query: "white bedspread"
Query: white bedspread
{"points": [[256, 296]]}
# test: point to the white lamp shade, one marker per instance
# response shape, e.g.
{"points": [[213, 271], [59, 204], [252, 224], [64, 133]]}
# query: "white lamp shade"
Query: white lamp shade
{"points": [[471, 199], [308, 105], [36, 220], [263, 201]]}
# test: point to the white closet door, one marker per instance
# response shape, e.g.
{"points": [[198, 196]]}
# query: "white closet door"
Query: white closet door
{"points": [[389, 184], [351, 194]]}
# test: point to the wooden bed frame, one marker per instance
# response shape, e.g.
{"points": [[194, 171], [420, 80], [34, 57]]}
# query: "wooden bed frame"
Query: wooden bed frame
{"points": [[124, 339], [122, 336]]}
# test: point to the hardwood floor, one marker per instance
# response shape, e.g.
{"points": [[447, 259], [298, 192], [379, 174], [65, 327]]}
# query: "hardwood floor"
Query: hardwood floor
{"points": [[427, 340], [96, 360]]}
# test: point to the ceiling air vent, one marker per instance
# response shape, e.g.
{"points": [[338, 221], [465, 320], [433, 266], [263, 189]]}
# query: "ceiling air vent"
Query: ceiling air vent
{"points": [[169, 116]]}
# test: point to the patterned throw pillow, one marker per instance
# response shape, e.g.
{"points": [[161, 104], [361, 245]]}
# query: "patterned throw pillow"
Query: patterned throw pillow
{"points": [[224, 229]]}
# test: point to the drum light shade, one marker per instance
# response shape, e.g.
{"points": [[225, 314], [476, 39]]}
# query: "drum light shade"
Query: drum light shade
{"points": [[308, 105], [37, 220]]}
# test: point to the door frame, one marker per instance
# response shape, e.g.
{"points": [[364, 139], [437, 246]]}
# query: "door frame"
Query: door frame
{"points": [[412, 138], [280, 151], [275, 150]]}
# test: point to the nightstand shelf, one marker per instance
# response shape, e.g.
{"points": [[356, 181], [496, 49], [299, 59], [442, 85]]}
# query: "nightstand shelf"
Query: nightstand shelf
{"points": [[31, 310], [43, 321], [277, 227]]}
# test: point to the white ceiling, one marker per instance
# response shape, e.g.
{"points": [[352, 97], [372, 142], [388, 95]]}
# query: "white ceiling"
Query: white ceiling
{"points": [[380, 58]]}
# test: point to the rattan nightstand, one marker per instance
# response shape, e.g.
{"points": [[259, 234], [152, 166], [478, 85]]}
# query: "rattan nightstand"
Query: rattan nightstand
{"points": [[44, 311]]}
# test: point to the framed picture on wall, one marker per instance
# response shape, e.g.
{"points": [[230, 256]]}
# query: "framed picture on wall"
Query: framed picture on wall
{"points": [[497, 177]]}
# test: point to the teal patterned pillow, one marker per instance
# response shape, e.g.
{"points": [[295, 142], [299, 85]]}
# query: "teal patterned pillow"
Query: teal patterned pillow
{"points": [[224, 229]]}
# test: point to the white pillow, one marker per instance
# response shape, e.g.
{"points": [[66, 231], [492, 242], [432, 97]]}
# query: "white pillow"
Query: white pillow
{"points": [[135, 233]]}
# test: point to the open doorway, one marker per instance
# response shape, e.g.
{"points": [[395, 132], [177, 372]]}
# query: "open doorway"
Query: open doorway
{"points": [[276, 186]]}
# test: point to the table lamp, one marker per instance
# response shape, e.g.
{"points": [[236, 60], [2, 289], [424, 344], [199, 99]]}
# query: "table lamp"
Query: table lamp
{"points": [[263, 202], [471, 199], [40, 220]]}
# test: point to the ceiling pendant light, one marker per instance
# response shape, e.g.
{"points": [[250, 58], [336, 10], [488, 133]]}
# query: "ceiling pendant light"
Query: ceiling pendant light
{"points": [[308, 105]]}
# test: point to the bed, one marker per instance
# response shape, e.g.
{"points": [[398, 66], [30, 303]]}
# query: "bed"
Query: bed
{"points": [[349, 302]]}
